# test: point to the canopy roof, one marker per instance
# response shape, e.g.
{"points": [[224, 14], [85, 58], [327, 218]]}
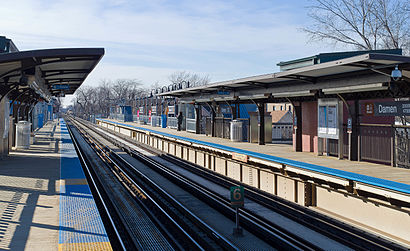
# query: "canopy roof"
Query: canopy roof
{"points": [[374, 63], [45, 73]]}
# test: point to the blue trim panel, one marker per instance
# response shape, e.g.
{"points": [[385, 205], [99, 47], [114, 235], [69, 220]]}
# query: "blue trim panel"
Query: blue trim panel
{"points": [[80, 221], [392, 185]]}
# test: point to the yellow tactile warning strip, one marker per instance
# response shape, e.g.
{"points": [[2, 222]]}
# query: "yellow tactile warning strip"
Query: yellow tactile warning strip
{"points": [[67, 182], [100, 246]]}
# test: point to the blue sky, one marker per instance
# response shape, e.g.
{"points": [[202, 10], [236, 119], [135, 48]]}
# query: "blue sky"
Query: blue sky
{"points": [[149, 40]]}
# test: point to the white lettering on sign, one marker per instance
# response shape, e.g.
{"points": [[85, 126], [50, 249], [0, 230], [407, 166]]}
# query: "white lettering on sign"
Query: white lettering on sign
{"points": [[387, 109]]}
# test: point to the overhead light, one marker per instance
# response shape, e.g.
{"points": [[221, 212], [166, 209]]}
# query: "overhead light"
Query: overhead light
{"points": [[357, 88], [255, 96], [396, 74], [292, 94]]}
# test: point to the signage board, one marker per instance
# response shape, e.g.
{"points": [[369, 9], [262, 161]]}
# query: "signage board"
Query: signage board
{"points": [[328, 119], [295, 122], [153, 110], [61, 87], [369, 108], [141, 110], [349, 125], [240, 157], [171, 110], [237, 196], [393, 108], [224, 92]]}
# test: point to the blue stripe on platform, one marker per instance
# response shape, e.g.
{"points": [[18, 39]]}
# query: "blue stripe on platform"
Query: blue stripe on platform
{"points": [[393, 185], [80, 221]]}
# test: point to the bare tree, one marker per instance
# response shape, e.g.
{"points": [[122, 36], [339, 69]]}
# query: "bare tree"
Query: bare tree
{"points": [[194, 79], [363, 24], [98, 100]]}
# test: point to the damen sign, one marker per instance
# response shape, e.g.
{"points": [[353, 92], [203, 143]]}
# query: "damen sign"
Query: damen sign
{"points": [[394, 108]]}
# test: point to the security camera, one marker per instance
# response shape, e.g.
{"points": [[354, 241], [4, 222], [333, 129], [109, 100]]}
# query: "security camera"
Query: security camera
{"points": [[396, 74]]}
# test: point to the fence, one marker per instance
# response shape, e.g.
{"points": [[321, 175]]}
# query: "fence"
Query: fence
{"points": [[144, 119], [155, 120], [402, 147], [375, 143], [172, 122], [191, 125], [222, 127], [282, 132]]}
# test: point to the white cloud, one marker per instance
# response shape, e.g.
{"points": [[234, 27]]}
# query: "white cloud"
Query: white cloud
{"points": [[148, 40]]}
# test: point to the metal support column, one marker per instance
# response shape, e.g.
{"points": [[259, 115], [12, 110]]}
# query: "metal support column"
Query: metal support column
{"points": [[235, 111], [261, 111], [354, 136], [298, 130], [198, 119], [213, 115]]}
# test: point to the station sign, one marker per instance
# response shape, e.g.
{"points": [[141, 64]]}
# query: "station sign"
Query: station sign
{"points": [[223, 92], [237, 196], [61, 87], [349, 125], [171, 110], [369, 108], [240, 157], [392, 108]]}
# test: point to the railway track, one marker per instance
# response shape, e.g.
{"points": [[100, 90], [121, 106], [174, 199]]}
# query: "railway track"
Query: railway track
{"points": [[276, 235], [181, 228]]}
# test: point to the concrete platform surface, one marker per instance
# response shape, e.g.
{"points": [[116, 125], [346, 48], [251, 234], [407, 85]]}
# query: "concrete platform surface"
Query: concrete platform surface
{"points": [[387, 172], [39, 210], [29, 195]]}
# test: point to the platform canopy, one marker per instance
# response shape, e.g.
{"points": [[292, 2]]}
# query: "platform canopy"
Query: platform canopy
{"points": [[28, 76], [353, 75]]}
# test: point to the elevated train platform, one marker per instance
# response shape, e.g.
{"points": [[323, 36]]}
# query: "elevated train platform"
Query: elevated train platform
{"points": [[373, 196], [45, 201]]}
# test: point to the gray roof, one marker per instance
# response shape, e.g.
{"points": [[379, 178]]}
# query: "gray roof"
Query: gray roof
{"points": [[54, 71], [365, 62]]}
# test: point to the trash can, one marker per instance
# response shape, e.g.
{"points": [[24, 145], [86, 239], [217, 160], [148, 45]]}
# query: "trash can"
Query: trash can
{"points": [[236, 130], [23, 135], [164, 121]]}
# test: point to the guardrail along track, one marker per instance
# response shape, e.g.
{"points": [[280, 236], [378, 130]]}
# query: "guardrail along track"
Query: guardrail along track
{"points": [[334, 229]]}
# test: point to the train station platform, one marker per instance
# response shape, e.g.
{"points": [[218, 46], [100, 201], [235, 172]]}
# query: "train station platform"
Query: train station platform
{"points": [[371, 196], [45, 202], [285, 152]]}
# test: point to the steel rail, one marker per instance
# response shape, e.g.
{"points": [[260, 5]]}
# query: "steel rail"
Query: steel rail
{"points": [[276, 236], [341, 232], [210, 232], [95, 187]]}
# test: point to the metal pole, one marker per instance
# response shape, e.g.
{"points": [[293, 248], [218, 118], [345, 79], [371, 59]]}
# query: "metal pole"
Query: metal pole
{"points": [[237, 218], [237, 231]]}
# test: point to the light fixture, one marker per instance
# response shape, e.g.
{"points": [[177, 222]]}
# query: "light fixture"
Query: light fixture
{"points": [[396, 74]]}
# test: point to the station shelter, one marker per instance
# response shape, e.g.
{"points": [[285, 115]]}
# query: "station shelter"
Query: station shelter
{"points": [[29, 80], [348, 104]]}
